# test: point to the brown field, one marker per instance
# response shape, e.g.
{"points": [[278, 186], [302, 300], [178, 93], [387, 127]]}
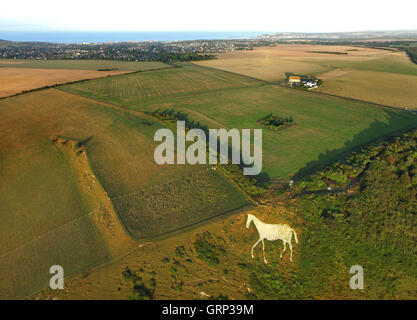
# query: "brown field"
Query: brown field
{"points": [[335, 73], [373, 75], [289, 51], [16, 80], [397, 90], [271, 63]]}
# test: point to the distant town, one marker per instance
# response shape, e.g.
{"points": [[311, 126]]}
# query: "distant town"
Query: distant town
{"points": [[127, 51], [197, 49]]}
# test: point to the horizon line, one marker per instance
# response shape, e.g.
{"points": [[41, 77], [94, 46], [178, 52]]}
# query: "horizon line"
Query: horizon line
{"points": [[173, 31]]}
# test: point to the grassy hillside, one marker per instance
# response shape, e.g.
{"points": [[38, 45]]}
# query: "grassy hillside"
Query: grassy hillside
{"points": [[52, 213], [372, 225], [45, 187]]}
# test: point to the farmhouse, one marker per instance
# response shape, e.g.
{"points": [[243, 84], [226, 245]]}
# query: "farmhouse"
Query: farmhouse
{"points": [[302, 81], [294, 79]]}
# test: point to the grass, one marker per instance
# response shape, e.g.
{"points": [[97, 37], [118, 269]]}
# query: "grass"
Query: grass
{"points": [[185, 201], [75, 246], [325, 127], [82, 64], [208, 249], [44, 205]]}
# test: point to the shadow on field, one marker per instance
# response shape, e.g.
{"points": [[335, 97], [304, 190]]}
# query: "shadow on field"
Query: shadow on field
{"points": [[377, 131]]}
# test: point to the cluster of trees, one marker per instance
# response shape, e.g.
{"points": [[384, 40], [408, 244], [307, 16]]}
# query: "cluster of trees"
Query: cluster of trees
{"points": [[140, 290], [275, 123], [412, 53]]}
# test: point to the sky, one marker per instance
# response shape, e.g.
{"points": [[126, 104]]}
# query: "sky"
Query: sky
{"points": [[211, 15]]}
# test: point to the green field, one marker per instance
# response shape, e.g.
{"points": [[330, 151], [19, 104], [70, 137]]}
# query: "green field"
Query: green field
{"points": [[325, 127], [82, 64], [161, 85], [48, 196]]}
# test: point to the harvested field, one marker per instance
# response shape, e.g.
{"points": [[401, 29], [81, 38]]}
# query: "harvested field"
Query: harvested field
{"points": [[393, 62], [271, 63], [335, 73], [374, 75], [16, 80], [380, 87], [83, 64], [264, 68]]}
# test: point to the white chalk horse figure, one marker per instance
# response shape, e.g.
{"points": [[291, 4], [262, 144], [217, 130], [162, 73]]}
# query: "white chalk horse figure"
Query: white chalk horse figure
{"points": [[272, 232]]}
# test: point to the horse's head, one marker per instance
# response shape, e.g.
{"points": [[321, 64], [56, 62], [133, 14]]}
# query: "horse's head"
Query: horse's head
{"points": [[249, 220]]}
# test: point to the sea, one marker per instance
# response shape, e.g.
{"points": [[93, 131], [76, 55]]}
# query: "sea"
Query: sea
{"points": [[113, 36]]}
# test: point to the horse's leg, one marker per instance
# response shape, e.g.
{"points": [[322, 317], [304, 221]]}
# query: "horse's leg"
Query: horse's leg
{"points": [[254, 247], [263, 251], [285, 248], [290, 245]]}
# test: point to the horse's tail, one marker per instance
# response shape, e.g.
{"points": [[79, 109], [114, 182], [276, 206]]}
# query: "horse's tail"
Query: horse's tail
{"points": [[295, 235]]}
